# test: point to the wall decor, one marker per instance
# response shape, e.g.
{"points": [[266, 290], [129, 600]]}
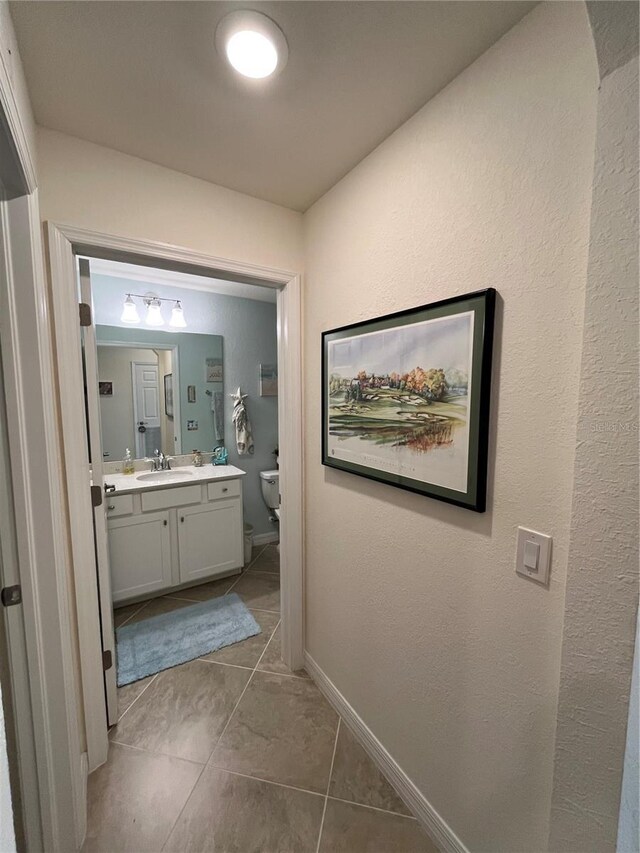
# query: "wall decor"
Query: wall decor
{"points": [[191, 393], [406, 398], [192, 426], [214, 370], [168, 395], [268, 380], [105, 389]]}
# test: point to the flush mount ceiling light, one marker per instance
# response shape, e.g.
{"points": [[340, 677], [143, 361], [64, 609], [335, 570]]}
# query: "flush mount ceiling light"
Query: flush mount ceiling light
{"points": [[252, 43]]}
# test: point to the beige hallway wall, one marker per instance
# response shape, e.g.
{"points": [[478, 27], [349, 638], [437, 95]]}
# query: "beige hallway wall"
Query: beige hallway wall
{"points": [[413, 608]]}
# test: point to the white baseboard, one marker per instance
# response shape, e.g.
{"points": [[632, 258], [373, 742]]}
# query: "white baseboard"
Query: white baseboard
{"points": [[266, 538], [434, 825]]}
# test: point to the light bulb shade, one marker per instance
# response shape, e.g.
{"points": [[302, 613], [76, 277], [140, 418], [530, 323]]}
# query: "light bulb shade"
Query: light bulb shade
{"points": [[177, 317], [154, 314], [129, 311], [252, 44]]}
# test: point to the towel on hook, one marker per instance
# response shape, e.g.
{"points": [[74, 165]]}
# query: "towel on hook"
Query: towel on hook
{"points": [[244, 438]]}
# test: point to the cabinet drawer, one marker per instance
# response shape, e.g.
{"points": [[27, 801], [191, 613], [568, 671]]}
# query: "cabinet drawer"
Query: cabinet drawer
{"points": [[118, 505], [225, 489], [166, 498]]}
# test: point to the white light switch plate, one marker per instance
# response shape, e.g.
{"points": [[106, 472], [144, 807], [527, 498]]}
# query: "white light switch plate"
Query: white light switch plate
{"points": [[526, 547]]}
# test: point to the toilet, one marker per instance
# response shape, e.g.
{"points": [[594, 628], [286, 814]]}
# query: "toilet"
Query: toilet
{"points": [[270, 485]]}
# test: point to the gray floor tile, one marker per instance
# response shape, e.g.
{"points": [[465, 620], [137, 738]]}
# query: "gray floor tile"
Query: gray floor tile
{"points": [[247, 653], [123, 614], [349, 828], [259, 590], [355, 777], [184, 710], [134, 800], [205, 591], [267, 561], [283, 730], [128, 694], [156, 606], [272, 659], [233, 813]]}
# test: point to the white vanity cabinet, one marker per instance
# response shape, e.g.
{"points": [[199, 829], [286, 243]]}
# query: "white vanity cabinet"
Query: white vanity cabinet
{"points": [[163, 538]]}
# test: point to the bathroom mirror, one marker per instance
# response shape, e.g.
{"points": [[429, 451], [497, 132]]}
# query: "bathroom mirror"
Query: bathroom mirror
{"points": [[159, 391]]}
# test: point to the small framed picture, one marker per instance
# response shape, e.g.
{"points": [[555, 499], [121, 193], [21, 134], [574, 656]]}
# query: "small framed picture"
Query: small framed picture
{"points": [[105, 389], [214, 370], [168, 395], [191, 393], [192, 426], [268, 380]]}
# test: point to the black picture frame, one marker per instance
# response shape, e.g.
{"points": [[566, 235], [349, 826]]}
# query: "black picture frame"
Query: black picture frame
{"points": [[168, 395], [392, 414]]}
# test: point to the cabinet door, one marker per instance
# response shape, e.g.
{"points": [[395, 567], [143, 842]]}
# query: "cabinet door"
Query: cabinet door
{"points": [[140, 552], [209, 539]]}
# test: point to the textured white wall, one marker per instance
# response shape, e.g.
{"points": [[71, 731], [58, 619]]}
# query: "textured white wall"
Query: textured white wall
{"points": [[602, 584], [93, 187], [413, 608]]}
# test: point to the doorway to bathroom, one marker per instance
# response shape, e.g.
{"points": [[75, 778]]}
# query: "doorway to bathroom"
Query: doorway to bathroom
{"points": [[256, 583]]}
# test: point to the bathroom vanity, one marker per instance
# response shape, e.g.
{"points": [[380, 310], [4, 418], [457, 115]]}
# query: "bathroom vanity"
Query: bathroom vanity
{"points": [[173, 528]]}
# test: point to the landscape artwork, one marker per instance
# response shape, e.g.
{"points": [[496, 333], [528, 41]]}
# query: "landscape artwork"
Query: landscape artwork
{"points": [[403, 398]]}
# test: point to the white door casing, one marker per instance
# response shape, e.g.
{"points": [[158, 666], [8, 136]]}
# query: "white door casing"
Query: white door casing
{"points": [[64, 243]]}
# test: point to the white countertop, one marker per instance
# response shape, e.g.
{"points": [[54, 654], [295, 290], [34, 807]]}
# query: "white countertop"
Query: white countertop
{"points": [[127, 483]]}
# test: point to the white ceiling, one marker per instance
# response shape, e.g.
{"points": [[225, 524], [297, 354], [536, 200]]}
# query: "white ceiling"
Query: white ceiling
{"points": [[147, 277], [144, 78]]}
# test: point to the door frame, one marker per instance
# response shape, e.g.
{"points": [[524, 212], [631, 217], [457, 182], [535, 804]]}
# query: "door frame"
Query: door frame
{"points": [[64, 244], [175, 369]]}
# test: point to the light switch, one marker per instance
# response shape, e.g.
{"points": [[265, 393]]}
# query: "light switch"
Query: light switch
{"points": [[533, 555]]}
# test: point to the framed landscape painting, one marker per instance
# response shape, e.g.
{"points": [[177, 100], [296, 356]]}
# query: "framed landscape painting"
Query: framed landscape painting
{"points": [[405, 398]]}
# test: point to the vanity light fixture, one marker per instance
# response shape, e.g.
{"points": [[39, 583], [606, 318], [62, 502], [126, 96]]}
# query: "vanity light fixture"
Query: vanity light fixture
{"points": [[252, 43], [153, 316], [177, 316], [129, 311]]}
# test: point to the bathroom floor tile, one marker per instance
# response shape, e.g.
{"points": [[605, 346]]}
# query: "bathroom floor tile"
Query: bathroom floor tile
{"points": [[232, 813], [123, 614], [349, 828], [156, 606], [184, 710], [205, 591], [356, 778], [283, 730], [128, 694], [247, 653], [272, 658], [134, 800], [267, 561], [259, 590]]}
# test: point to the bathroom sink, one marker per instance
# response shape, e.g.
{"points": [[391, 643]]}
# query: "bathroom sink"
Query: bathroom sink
{"points": [[164, 476]]}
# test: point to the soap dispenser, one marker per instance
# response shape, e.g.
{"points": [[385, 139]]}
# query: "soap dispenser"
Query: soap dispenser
{"points": [[127, 463]]}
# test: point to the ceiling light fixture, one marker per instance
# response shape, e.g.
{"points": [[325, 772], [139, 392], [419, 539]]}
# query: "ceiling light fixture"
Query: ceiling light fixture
{"points": [[252, 43], [154, 314]]}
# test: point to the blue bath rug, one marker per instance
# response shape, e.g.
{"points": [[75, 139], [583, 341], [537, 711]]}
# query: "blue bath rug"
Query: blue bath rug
{"points": [[160, 642]]}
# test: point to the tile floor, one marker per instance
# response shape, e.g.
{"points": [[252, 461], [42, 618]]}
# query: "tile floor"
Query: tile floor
{"points": [[232, 752]]}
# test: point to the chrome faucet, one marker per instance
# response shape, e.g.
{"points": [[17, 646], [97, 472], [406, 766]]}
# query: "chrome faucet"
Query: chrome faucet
{"points": [[160, 462]]}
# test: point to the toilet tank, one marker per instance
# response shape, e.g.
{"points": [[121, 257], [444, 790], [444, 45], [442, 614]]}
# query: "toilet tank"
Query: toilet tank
{"points": [[270, 484]]}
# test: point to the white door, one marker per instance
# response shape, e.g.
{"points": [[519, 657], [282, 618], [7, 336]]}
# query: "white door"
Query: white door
{"points": [[146, 408], [209, 539], [90, 365]]}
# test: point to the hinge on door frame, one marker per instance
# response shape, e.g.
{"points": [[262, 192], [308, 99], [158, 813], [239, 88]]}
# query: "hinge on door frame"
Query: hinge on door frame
{"points": [[107, 659], [11, 595], [96, 496], [84, 310]]}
